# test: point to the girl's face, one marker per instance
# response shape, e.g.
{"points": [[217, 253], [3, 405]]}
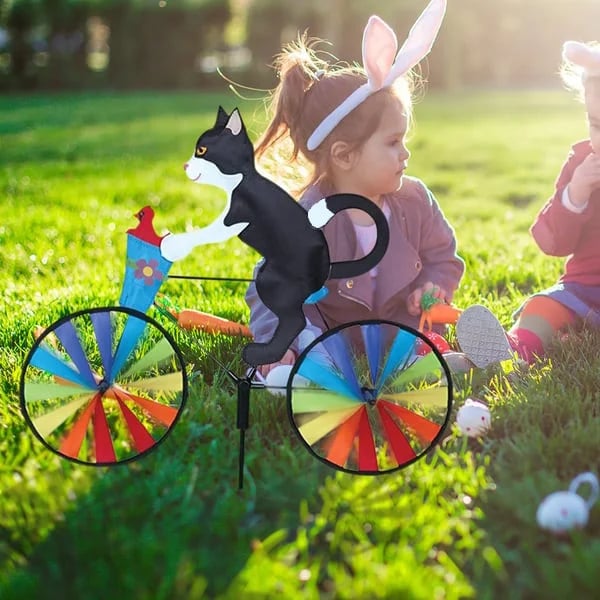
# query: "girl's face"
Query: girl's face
{"points": [[592, 105], [379, 164]]}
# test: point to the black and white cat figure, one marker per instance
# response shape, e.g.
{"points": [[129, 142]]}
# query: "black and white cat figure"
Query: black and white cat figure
{"points": [[263, 215]]}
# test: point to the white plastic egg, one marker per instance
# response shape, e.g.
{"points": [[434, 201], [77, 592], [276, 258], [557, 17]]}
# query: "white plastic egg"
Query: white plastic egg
{"points": [[473, 418], [562, 511]]}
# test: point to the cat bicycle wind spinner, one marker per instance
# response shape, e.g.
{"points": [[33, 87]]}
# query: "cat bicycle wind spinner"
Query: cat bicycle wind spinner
{"points": [[105, 385]]}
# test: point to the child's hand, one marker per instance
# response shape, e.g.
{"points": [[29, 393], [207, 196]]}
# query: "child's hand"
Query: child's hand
{"points": [[586, 178], [289, 358], [413, 302]]}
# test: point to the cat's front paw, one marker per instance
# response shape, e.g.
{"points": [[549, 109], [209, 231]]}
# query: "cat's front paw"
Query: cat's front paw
{"points": [[172, 248], [319, 214]]}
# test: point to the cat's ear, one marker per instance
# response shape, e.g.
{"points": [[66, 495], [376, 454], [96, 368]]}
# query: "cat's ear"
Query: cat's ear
{"points": [[222, 117], [234, 123]]}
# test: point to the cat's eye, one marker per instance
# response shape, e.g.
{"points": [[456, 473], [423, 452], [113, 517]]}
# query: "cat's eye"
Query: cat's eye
{"points": [[201, 150]]}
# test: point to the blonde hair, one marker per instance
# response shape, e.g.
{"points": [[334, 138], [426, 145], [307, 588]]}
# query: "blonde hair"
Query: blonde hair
{"points": [[308, 91], [574, 77]]}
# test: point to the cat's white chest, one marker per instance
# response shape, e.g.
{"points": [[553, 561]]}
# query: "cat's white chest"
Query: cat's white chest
{"points": [[177, 246]]}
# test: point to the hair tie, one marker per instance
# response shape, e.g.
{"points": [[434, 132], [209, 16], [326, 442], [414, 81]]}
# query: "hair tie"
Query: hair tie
{"points": [[383, 62]]}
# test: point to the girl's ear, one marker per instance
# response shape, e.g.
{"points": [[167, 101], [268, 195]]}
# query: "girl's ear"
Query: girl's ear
{"points": [[342, 155]]}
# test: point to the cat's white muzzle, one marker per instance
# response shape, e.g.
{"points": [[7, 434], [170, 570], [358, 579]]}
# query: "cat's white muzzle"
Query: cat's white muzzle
{"points": [[203, 171], [193, 168]]}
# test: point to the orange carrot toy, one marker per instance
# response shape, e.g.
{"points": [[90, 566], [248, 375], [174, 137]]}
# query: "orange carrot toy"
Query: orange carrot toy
{"points": [[435, 311], [195, 319]]}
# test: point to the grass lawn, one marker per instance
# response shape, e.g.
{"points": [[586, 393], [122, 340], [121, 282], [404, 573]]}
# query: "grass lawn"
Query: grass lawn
{"points": [[73, 170]]}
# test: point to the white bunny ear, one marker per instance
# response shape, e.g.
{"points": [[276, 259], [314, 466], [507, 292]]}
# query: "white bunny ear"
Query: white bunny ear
{"points": [[379, 45], [379, 48], [582, 55], [420, 39]]}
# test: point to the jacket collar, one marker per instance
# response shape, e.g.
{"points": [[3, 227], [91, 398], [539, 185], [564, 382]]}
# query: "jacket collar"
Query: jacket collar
{"points": [[401, 263]]}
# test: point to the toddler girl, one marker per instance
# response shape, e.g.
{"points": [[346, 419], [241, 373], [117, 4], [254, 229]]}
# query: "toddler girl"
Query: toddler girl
{"points": [[350, 125], [568, 225]]}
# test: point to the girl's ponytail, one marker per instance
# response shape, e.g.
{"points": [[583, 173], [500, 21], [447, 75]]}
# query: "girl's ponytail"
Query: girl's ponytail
{"points": [[308, 91], [297, 68]]}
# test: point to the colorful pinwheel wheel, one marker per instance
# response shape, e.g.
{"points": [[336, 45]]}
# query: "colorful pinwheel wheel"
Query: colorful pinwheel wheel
{"points": [[103, 386], [363, 401]]}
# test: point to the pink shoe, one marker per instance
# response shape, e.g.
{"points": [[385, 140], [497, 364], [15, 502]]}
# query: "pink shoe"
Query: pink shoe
{"points": [[521, 348], [527, 344]]}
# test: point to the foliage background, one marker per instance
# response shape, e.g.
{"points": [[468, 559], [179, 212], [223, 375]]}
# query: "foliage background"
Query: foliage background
{"points": [[51, 44]]}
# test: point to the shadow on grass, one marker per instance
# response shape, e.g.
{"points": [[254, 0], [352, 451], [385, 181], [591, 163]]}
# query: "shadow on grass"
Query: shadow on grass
{"points": [[174, 525], [76, 110], [70, 128], [546, 430]]}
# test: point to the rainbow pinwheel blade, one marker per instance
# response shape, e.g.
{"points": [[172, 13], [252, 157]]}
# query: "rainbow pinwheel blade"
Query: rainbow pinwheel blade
{"points": [[362, 400], [103, 386]]}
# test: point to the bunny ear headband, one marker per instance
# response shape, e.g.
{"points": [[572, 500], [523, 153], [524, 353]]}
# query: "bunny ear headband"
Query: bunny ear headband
{"points": [[584, 56], [384, 63]]}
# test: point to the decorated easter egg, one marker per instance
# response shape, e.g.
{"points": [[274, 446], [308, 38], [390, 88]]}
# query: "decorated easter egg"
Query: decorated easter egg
{"points": [[422, 348], [562, 511], [473, 418], [277, 379]]}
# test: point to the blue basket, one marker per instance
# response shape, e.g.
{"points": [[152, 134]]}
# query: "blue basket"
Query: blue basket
{"points": [[145, 272]]}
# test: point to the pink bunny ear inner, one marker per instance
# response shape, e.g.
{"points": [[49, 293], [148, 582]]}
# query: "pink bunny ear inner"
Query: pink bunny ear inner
{"points": [[582, 55], [379, 50]]}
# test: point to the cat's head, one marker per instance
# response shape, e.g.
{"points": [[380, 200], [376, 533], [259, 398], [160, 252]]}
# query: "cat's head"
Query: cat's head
{"points": [[223, 150]]}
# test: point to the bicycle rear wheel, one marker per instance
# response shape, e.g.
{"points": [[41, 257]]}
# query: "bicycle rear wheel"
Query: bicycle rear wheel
{"points": [[362, 401], [103, 386]]}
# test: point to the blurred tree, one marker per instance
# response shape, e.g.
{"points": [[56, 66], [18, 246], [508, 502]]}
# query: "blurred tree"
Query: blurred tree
{"points": [[500, 43], [19, 18], [153, 43], [270, 23], [157, 44], [65, 32], [341, 22]]}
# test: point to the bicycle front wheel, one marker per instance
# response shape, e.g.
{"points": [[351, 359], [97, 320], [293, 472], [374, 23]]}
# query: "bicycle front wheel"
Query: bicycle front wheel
{"points": [[103, 386], [363, 401]]}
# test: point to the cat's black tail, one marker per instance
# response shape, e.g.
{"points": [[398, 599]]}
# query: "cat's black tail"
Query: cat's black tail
{"points": [[320, 213]]}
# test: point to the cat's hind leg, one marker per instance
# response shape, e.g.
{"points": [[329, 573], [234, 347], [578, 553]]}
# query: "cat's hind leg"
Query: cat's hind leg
{"points": [[284, 297], [287, 330]]}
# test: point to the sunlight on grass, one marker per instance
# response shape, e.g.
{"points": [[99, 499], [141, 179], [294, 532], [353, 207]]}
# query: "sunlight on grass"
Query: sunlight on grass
{"points": [[461, 523]]}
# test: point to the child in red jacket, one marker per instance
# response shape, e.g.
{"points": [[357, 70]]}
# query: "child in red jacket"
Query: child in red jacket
{"points": [[568, 225]]}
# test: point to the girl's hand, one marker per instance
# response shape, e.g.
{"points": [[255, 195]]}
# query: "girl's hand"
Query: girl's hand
{"points": [[413, 302], [289, 358], [586, 178]]}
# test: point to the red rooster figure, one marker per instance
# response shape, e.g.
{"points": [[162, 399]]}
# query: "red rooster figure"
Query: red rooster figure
{"points": [[145, 230]]}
